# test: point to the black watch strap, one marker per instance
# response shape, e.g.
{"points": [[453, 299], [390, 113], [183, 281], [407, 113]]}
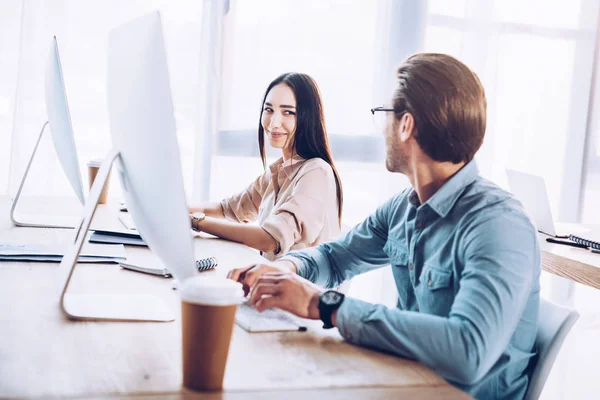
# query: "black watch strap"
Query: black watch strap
{"points": [[329, 302]]}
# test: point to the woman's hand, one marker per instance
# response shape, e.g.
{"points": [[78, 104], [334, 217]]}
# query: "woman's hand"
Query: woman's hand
{"points": [[248, 276]]}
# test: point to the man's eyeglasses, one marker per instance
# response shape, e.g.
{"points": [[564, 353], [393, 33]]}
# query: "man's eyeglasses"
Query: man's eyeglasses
{"points": [[380, 119], [374, 110]]}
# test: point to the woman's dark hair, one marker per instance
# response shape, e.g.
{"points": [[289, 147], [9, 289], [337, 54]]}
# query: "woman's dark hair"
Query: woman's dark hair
{"points": [[310, 139]]}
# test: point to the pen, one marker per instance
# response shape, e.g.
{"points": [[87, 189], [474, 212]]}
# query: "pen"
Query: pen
{"points": [[581, 246]]}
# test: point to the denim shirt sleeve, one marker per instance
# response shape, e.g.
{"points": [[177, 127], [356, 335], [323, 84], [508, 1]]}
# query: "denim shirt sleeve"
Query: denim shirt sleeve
{"points": [[501, 256], [360, 250]]}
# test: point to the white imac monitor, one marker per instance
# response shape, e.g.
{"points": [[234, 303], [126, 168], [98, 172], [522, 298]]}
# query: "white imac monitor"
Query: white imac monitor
{"points": [[61, 129], [145, 147], [142, 127], [531, 191]]}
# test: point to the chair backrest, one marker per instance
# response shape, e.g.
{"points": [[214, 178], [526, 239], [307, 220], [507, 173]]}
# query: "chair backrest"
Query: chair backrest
{"points": [[555, 322]]}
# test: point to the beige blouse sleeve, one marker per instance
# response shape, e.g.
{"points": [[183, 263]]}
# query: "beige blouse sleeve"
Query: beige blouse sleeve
{"points": [[302, 216], [243, 207]]}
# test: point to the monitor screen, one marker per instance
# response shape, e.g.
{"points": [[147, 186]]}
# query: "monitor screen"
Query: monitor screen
{"points": [[142, 126], [59, 120], [531, 191]]}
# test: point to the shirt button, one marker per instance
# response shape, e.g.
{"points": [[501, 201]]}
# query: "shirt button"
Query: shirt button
{"points": [[417, 308], [349, 337], [429, 283], [419, 225], [410, 266]]}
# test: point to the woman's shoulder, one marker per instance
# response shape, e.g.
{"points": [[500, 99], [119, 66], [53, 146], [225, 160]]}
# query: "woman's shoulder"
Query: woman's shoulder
{"points": [[314, 164]]}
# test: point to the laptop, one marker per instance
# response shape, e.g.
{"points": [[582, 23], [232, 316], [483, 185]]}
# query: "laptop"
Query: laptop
{"points": [[531, 191]]}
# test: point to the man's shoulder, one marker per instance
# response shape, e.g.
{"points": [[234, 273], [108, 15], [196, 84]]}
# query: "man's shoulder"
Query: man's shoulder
{"points": [[484, 201], [485, 194]]}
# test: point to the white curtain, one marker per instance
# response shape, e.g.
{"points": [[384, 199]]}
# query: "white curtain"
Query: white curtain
{"points": [[536, 60], [81, 28], [10, 27]]}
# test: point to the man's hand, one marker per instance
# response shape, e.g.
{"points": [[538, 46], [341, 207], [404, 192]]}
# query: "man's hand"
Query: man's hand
{"points": [[287, 291], [248, 276]]}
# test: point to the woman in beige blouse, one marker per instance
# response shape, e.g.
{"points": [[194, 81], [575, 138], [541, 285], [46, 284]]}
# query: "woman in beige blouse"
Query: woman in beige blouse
{"points": [[297, 201]]}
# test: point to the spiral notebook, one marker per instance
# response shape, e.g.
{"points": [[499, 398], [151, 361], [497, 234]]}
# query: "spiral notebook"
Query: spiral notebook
{"points": [[586, 242], [156, 268]]}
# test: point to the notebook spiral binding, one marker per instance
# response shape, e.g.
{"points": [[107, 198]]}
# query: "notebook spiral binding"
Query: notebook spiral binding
{"points": [[585, 242], [206, 263]]}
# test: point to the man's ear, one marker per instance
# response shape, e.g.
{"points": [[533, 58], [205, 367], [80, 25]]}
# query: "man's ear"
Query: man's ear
{"points": [[406, 127]]}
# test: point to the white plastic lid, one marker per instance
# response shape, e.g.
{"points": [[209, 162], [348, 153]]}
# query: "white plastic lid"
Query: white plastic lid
{"points": [[94, 163], [211, 290]]}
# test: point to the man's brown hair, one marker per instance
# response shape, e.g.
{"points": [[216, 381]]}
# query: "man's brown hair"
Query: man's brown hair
{"points": [[447, 102]]}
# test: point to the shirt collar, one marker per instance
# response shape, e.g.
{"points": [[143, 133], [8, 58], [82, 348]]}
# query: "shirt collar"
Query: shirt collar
{"points": [[290, 167], [444, 199]]}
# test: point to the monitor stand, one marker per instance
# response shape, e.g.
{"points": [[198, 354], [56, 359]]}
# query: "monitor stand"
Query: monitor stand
{"points": [[103, 307], [41, 220]]}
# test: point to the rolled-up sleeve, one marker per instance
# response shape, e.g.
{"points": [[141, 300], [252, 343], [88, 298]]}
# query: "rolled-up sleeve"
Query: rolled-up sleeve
{"points": [[359, 251], [301, 217], [243, 207]]}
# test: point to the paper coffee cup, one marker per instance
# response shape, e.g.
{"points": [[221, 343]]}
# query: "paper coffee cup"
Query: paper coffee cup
{"points": [[93, 168], [208, 306]]}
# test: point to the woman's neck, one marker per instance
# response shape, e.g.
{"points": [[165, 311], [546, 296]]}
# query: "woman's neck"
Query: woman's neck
{"points": [[287, 154]]}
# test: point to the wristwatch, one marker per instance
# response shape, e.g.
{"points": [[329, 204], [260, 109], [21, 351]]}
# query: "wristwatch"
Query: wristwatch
{"points": [[197, 217], [329, 301]]}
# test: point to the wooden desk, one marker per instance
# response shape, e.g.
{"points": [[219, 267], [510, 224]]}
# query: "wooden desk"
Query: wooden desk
{"points": [[578, 265], [44, 355]]}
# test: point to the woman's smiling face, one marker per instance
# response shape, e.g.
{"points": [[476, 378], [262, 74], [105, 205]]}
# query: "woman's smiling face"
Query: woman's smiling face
{"points": [[278, 118]]}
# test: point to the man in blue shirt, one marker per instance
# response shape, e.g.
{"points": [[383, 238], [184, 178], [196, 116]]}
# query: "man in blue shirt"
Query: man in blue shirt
{"points": [[464, 254]]}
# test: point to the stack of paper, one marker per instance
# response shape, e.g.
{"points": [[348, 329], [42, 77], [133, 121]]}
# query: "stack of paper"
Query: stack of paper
{"points": [[115, 237], [90, 253]]}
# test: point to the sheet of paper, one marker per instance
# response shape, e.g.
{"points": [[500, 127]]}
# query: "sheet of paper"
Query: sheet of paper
{"points": [[89, 249], [116, 239], [44, 258]]}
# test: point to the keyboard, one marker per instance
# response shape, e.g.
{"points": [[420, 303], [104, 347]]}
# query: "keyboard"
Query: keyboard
{"points": [[270, 320]]}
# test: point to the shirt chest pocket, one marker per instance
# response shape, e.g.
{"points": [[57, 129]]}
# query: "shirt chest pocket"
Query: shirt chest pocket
{"points": [[437, 279], [436, 291], [397, 253]]}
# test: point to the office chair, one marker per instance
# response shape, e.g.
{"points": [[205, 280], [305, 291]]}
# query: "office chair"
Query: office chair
{"points": [[555, 322]]}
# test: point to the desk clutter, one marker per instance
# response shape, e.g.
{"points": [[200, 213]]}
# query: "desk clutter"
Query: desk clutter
{"points": [[593, 245], [91, 253], [159, 270], [576, 241], [115, 237]]}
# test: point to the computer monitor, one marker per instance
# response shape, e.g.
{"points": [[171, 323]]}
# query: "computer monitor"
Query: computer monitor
{"points": [[59, 117], [142, 126], [61, 129], [531, 191]]}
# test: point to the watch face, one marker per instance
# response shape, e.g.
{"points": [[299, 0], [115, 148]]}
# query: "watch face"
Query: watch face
{"points": [[331, 297]]}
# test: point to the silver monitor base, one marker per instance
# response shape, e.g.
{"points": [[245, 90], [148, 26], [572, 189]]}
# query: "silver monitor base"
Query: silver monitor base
{"points": [[45, 221], [100, 307], [36, 220], [97, 307]]}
